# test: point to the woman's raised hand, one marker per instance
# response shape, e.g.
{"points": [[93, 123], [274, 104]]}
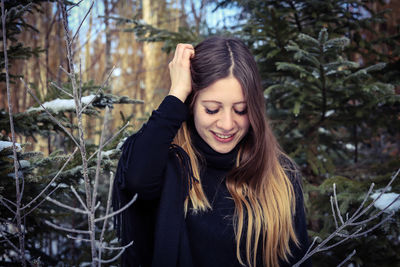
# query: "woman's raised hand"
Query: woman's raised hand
{"points": [[179, 71]]}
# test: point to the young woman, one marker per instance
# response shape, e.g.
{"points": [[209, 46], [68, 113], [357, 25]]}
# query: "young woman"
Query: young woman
{"points": [[213, 187]]}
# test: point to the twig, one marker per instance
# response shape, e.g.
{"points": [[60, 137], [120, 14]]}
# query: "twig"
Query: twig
{"points": [[21, 233], [118, 211], [8, 207], [78, 238], [116, 257], [66, 229], [80, 25], [347, 258], [79, 198], [336, 204], [118, 248], [66, 206], [62, 90], [103, 229], [9, 201]]}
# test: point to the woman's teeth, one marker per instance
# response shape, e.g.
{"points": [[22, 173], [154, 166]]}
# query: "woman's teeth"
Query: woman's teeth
{"points": [[223, 136]]}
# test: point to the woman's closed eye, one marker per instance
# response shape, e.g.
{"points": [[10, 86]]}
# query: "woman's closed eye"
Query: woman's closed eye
{"points": [[241, 112], [214, 111], [211, 111]]}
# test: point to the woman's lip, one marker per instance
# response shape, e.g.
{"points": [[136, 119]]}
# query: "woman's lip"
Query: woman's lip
{"points": [[223, 140]]}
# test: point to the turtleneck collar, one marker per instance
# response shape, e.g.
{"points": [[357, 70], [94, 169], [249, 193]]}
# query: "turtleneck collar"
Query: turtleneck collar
{"points": [[212, 158]]}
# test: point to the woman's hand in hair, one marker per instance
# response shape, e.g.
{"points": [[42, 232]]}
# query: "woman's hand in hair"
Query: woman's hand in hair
{"points": [[179, 71]]}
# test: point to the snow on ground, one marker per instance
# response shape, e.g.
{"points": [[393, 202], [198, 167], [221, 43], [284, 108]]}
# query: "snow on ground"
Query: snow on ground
{"points": [[5, 144], [58, 105], [385, 200]]}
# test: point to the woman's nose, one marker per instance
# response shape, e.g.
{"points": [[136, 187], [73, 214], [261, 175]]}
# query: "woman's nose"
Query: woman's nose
{"points": [[226, 122]]}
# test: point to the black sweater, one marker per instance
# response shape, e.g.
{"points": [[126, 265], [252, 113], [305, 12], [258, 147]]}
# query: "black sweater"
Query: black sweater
{"points": [[160, 175]]}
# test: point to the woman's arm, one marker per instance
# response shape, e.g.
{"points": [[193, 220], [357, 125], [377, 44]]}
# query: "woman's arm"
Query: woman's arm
{"points": [[145, 154]]}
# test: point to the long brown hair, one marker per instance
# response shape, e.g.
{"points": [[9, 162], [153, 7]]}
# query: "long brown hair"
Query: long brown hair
{"points": [[262, 192]]}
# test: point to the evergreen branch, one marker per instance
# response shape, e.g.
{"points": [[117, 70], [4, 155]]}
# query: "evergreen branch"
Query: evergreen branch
{"points": [[305, 38], [118, 211], [66, 206], [58, 227], [52, 180], [48, 113], [79, 198], [335, 43]]}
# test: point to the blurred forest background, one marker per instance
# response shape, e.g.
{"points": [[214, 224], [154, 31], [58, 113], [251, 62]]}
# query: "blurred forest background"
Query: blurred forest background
{"points": [[331, 74]]}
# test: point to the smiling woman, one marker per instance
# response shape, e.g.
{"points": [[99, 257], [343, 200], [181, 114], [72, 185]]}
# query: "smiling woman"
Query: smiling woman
{"points": [[213, 186]]}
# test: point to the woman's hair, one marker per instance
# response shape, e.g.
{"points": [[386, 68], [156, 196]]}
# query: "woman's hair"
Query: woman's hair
{"points": [[263, 194]]}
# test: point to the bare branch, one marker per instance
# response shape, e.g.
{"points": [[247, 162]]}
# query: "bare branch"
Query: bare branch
{"points": [[8, 207], [66, 229], [118, 248], [116, 257], [79, 199], [66, 206], [336, 204], [80, 25], [79, 238], [118, 211], [333, 212], [103, 229], [347, 258]]}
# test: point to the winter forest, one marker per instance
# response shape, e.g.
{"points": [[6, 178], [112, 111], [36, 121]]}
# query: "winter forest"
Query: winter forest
{"points": [[79, 77]]}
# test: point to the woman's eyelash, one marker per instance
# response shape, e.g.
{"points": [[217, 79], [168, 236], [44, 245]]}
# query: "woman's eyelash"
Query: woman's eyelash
{"points": [[243, 112], [211, 111]]}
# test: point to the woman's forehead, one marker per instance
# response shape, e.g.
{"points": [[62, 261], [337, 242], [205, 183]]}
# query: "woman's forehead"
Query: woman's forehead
{"points": [[226, 90]]}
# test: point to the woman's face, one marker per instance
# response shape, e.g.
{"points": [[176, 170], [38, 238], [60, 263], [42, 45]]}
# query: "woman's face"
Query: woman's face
{"points": [[220, 114]]}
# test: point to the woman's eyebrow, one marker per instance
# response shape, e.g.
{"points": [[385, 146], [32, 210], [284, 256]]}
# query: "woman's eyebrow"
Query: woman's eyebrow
{"points": [[220, 103]]}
